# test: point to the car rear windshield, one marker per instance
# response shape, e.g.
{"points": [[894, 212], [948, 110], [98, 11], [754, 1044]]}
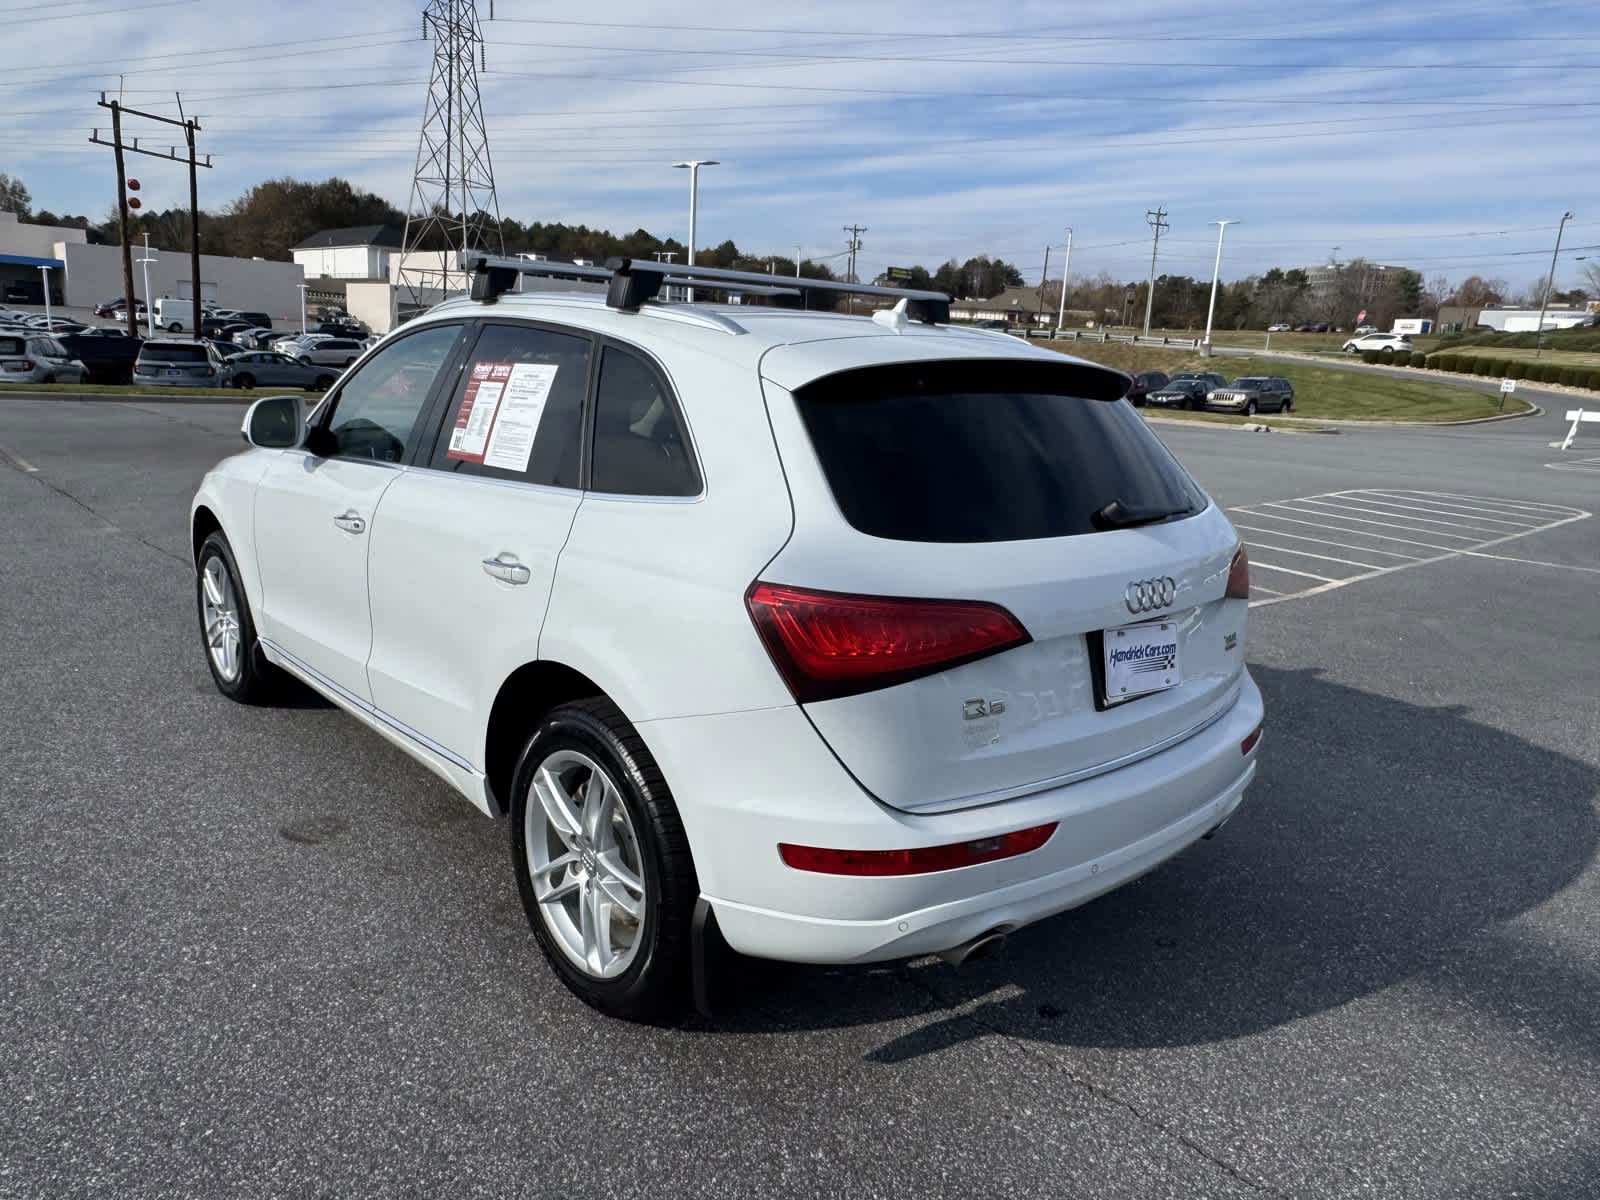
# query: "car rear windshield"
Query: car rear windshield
{"points": [[174, 354], [986, 451]]}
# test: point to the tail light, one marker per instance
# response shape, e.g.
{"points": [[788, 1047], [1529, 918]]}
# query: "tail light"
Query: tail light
{"points": [[829, 644], [1249, 743], [1239, 576], [18, 364], [915, 862]]}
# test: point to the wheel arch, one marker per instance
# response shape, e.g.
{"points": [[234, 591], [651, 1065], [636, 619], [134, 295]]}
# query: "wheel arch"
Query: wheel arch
{"points": [[201, 526], [525, 696]]}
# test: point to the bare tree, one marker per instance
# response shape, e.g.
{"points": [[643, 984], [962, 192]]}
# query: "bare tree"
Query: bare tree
{"points": [[1591, 278]]}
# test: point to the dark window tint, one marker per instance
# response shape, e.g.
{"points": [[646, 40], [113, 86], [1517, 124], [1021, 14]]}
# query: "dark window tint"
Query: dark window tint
{"points": [[985, 451], [11, 345], [517, 412], [375, 413], [639, 447], [174, 354]]}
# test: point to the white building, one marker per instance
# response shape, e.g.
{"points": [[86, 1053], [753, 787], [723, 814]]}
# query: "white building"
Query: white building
{"points": [[94, 273], [24, 249], [1526, 320], [361, 252]]}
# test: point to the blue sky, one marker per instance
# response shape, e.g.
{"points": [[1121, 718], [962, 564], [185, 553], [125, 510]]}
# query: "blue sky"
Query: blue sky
{"points": [[1449, 137]]}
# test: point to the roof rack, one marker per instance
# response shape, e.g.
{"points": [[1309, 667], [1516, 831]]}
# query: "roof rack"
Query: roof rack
{"points": [[630, 283]]}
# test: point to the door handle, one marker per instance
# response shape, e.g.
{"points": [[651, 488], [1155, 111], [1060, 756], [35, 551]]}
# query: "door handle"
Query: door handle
{"points": [[506, 569], [350, 522]]}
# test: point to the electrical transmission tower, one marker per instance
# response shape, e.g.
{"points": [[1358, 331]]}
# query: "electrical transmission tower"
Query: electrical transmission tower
{"points": [[453, 206]]}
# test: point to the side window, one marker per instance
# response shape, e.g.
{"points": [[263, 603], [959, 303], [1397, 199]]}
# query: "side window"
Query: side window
{"points": [[375, 413], [517, 412], [639, 447]]}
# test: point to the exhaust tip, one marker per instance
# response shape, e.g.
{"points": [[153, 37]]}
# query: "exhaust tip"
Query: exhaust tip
{"points": [[979, 947]]}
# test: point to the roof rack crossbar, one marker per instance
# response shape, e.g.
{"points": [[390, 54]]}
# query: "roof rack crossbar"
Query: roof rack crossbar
{"points": [[631, 282]]}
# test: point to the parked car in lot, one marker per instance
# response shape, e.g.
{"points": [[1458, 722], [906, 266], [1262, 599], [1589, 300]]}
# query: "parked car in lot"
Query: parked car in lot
{"points": [[1280, 327], [38, 358], [827, 738], [259, 339], [116, 304], [1253, 394], [353, 330], [1143, 383], [330, 352], [1212, 379], [107, 359], [1383, 343], [1180, 393], [174, 362], [292, 344], [1360, 329], [264, 368]]}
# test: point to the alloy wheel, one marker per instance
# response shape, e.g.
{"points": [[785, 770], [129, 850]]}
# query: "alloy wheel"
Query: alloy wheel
{"points": [[584, 861], [220, 612]]}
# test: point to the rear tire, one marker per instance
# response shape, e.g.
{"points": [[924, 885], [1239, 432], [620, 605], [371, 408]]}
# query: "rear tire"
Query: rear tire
{"points": [[175, 327], [324, 382], [1288, 405], [615, 852], [243, 675], [246, 381]]}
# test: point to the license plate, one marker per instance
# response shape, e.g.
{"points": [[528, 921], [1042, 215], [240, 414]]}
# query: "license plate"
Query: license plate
{"points": [[174, 374], [1140, 659]]}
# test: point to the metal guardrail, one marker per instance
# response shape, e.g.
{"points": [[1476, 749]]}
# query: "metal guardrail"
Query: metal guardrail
{"points": [[1127, 339]]}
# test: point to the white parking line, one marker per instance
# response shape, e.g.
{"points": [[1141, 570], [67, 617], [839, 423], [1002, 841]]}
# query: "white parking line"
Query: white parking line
{"points": [[1306, 537], [1420, 514], [1590, 465], [1349, 562], [1381, 512], [19, 462]]}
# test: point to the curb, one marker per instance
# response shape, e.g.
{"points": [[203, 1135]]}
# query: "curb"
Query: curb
{"points": [[1246, 428]]}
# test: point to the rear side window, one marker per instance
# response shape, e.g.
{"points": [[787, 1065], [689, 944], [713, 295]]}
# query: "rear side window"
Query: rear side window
{"points": [[517, 412], [639, 447], [985, 451], [11, 345]]}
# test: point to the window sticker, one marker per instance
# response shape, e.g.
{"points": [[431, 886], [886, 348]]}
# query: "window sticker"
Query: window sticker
{"points": [[517, 422], [479, 405]]}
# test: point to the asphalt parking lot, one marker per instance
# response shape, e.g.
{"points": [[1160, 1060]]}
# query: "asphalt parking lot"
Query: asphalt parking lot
{"points": [[258, 952]]}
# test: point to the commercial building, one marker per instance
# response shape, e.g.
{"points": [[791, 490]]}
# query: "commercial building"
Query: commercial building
{"points": [[1014, 306], [1511, 318], [360, 252], [82, 275]]}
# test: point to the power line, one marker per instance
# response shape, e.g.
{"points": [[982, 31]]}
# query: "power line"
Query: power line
{"points": [[34, 20]]}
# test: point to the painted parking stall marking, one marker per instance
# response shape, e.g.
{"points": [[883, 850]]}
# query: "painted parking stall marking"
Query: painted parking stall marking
{"points": [[1311, 544], [1589, 466]]}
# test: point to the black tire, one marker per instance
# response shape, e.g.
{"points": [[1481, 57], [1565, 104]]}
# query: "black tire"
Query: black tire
{"points": [[48, 379], [324, 382], [655, 986], [349, 362], [1288, 405], [1387, 351], [175, 327], [258, 681], [245, 380], [1249, 408]]}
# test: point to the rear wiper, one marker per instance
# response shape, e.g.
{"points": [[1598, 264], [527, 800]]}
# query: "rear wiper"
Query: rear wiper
{"points": [[1118, 515]]}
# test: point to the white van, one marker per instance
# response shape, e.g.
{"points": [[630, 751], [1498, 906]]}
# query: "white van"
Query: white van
{"points": [[175, 314]]}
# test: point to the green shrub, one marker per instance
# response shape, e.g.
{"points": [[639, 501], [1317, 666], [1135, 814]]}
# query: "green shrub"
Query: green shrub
{"points": [[1483, 365], [1418, 359], [1448, 362], [1517, 369]]}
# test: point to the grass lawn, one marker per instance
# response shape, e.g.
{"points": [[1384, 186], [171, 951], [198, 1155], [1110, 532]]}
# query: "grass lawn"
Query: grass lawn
{"points": [[1319, 392], [1294, 343], [111, 389]]}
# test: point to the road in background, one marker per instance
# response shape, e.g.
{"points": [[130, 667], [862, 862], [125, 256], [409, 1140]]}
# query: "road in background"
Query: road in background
{"points": [[259, 952]]}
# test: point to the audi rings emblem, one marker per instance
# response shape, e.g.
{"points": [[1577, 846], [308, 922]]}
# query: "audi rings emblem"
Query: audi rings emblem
{"points": [[1147, 595]]}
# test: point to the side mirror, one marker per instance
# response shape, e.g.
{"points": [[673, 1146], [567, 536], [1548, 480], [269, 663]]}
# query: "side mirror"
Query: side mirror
{"points": [[275, 423]]}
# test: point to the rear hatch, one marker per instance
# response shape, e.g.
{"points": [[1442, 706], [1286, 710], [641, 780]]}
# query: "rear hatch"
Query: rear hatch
{"points": [[1025, 488], [181, 361]]}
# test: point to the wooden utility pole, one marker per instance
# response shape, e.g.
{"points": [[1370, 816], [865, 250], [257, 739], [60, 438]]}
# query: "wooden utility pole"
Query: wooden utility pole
{"points": [[122, 220], [190, 128]]}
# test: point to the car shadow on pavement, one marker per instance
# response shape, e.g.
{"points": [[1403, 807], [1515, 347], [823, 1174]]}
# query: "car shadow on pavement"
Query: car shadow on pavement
{"points": [[1382, 841]]}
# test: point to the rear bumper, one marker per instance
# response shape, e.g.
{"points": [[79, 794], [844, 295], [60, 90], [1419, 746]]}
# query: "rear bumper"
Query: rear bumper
{"points": [[1111, 829]]}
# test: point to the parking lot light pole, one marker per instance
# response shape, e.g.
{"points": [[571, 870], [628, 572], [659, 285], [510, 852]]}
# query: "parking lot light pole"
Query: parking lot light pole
{"points": [[694, 165], [1549, 286], [1216, 274], [304, 287], [1066, 274], [149, 308], [44, 274]]}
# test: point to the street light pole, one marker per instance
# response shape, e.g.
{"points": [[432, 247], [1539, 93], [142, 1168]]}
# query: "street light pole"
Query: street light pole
{"points": [[1216, 274], [1066, 274], [304, 288], [694, 165], [1549, 286], [149, 308], [44, 274]]}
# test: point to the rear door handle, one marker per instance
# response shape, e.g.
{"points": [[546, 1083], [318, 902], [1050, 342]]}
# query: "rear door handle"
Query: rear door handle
{"points": [[506, 569], [350, 522]]}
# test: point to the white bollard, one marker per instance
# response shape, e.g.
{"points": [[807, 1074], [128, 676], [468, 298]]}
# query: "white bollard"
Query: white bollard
{"points": [[1578, 417]]}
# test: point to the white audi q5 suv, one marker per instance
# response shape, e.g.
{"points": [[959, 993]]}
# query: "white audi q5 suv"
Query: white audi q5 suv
{"points": [[853, 639]]}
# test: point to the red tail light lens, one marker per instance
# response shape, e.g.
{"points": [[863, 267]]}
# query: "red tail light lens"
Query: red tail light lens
{"points": [[914, 862], [1249, 743], [1239, 576], [828, 644]]}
